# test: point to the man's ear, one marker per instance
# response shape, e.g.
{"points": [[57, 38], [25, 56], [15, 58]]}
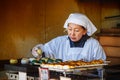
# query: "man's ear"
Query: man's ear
{"points": [[85, 31]]}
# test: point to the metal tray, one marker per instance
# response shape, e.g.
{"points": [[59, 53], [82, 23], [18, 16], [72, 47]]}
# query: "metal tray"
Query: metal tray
{"points": [[85, 67]]}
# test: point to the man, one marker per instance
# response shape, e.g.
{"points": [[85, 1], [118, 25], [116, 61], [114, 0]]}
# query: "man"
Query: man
{"points": [[77, 45]]}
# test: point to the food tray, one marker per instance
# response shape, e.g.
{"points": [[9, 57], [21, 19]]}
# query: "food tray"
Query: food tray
{"points": [[85, 67], [88, 66]]}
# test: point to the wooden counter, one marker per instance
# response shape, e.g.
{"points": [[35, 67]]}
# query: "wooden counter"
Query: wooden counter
{"points": [[33, 71], [112, 72]]}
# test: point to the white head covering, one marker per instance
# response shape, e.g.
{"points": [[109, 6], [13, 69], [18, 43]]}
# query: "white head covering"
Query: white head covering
{"points": [[82, 20]]}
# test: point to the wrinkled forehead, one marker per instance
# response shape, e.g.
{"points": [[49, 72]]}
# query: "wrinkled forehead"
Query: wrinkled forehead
{"points": [[77, 26]]}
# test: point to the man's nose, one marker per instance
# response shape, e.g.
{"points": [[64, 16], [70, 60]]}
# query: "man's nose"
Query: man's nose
{"points": [[72, 32]]}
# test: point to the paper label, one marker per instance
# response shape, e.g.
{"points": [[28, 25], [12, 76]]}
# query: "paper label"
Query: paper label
{"points": [[43, 73], [22, 76], [64, 78]]}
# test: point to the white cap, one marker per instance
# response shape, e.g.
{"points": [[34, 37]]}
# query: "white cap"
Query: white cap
{"points": [[82, 20]]}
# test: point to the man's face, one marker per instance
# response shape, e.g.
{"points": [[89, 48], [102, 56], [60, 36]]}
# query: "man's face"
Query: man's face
{"points": [[75, 32]]}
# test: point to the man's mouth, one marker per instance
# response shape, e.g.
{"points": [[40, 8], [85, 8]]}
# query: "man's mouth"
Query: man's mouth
{"points": [[73, 38]]}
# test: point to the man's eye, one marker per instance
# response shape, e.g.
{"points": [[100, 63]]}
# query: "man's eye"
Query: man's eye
{"points": [[76, 30], [70, 29]]}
